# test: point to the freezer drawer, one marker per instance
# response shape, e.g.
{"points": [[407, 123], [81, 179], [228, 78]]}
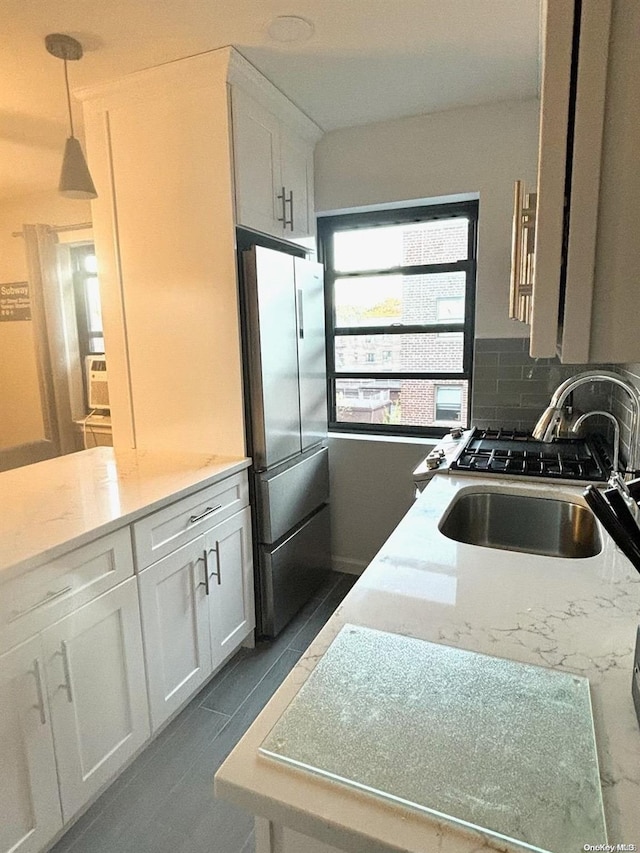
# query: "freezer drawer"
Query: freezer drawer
{"points": [[291, 573], [290, 493]]}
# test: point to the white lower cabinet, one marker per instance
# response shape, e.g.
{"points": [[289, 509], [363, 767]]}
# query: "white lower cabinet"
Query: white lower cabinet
{"points": [[175, 623], [96, 683], [232, 612], [197, 607], [76, 696], [29, 804]]}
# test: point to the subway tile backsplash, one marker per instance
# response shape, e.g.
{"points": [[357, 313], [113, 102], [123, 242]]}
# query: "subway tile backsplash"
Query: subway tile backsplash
{"points": [[511, 389], [621, 404]]}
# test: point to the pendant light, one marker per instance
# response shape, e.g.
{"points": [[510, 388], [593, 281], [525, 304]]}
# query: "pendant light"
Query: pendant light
{"points": [[75, 179]]}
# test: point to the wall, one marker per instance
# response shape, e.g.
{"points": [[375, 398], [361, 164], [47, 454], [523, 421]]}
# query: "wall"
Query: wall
{"points": [[21, 420], [479, 150], [374, 476]]}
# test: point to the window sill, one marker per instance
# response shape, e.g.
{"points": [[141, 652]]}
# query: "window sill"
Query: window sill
{"points": [[429, 441]]}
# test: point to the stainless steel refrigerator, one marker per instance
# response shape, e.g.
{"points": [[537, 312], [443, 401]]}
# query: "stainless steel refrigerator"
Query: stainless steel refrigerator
{"points": [[286, 394]]}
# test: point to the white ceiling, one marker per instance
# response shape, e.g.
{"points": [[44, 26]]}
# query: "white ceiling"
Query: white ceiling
{"points": [[368, 60]]}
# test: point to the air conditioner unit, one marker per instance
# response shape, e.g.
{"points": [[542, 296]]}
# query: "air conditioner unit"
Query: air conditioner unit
{"points": [[97, 387]]}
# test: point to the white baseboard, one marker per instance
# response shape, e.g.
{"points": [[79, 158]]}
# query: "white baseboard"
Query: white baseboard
{"points": [[348, 565]]}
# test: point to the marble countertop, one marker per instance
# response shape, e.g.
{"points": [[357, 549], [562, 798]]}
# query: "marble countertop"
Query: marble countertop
{"points": [[52, 506], [575, 615]]}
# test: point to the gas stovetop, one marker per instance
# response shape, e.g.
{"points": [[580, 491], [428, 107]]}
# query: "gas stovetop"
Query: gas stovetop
{"points": [[513, 452]]}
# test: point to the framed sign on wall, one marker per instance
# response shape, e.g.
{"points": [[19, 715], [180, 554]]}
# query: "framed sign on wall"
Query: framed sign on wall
{"points": [[15, 303]]}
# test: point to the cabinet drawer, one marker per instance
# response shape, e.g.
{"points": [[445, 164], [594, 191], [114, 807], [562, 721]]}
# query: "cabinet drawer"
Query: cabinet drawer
{"points": [[45, 594], [167, 529]]}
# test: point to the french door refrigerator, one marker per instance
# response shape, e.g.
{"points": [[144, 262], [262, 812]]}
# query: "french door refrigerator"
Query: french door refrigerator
{"points": [[286, 402]]}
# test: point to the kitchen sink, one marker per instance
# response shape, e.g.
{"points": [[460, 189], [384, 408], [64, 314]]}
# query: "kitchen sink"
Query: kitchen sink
{"points": [[531, 524]]}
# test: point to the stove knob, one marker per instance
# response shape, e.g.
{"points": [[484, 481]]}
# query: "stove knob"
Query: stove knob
{"points": [[432, 462], [456, 432]]}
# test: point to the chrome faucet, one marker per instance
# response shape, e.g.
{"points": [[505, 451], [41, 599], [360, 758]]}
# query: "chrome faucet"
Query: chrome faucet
{"points": [[616, 432], [546, 428]]}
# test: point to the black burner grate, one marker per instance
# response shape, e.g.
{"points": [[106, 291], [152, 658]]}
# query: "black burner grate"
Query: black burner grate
{"points": [[515, 452]]}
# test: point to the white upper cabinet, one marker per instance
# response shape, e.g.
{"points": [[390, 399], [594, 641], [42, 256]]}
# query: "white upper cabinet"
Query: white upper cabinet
{"points": [[179, 158], [256, 151], [273, 166], [585, 258]]}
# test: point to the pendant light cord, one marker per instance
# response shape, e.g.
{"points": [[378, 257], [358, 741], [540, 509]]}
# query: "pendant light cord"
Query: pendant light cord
{"points": [[66, 82]]}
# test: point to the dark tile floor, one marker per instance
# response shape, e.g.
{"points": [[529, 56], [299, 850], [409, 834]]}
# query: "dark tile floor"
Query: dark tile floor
{"points": [[163, 802]]}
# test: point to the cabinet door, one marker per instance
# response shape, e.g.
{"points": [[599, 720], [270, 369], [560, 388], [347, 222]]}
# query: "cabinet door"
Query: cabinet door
{"points": [[29, 804], [296, 158], [175, 626], [231, 584], [97, 692], [256, 153]]}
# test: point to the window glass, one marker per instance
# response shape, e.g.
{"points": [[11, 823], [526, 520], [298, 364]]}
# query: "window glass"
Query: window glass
{"points": [[384, 299], [398, 402], [437, 241], [94, 309], [418, 353], [90, 263]]}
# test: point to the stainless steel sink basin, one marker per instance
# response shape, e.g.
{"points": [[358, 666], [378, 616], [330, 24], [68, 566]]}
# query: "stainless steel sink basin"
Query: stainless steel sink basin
{"points": [[554, 528]]}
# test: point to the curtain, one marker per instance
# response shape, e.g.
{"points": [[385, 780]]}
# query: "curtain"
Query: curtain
{"points": [[50, 317]]}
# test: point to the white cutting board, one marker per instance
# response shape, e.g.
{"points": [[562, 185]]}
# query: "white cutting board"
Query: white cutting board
{"points": [[482, 741]]}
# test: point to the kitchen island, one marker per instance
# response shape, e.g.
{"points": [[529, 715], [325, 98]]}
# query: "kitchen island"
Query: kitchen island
{"points": [[573, 615], [62, 503], [109, 618]]}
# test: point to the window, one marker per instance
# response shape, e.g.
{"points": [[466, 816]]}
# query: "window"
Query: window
{"points": [[448, 402], [87, 299], [400, 289]]}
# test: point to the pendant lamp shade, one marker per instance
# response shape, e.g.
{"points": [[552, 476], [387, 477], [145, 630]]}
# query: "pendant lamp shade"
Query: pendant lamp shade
{"points": [[75, 180]]}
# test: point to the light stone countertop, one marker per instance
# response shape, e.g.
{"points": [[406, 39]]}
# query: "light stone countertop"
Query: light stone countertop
{"points": [[53, 506], [575, 615]]}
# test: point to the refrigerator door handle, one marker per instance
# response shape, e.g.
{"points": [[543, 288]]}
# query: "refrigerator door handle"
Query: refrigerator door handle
{"points": [[300, 314]]}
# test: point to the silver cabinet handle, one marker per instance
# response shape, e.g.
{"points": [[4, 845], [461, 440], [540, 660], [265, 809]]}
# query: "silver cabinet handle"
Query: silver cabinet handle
{"points": [[216, 573], [300, 313], [288, 201], [50, 596], [37, 674], [522, 254], [67, 671], [282, 197], [205, 512], [205, 583]]}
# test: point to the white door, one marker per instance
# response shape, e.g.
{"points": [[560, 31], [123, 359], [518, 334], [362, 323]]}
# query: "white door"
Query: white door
{"points": [[175, 627], [256, 155], [29, 803], [231, 584], [296, 158], [97, 692]]}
